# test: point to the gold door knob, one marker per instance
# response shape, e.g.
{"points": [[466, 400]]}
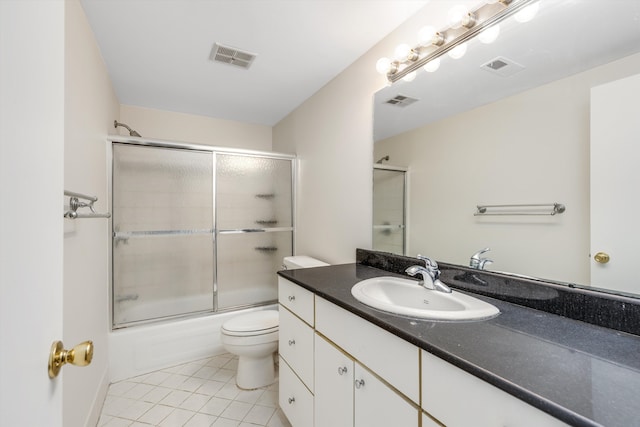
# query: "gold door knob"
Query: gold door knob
{"points": [[602, 257], [79, 355]]}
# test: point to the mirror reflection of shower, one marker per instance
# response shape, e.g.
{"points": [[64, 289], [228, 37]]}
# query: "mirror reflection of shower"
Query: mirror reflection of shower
{"points": [[389, 207]]}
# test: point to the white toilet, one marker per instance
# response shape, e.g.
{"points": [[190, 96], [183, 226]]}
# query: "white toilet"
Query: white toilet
{"points": [[253, 337]]}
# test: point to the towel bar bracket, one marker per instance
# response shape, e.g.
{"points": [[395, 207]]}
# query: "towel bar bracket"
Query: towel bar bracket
{"points": [[75, 203]]}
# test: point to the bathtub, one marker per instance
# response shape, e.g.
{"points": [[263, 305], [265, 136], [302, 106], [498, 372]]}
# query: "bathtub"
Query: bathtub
{"points": [[141, 349]]}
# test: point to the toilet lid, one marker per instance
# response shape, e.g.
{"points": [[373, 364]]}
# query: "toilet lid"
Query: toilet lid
{"points": [[264, 321]]}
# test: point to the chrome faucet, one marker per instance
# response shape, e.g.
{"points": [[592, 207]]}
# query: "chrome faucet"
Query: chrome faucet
{"points": [[430, 275], [477, 262]]}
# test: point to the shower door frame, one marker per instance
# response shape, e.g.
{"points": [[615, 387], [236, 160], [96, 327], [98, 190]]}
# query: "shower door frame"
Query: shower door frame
{"points": [[405, 205], [214, 150]]}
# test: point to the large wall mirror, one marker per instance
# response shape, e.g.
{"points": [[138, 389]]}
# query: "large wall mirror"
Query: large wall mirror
{"points": [[523, 134]]}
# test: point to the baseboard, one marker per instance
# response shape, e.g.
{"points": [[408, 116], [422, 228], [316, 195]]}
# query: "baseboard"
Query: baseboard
{"points": [[98, 400]]}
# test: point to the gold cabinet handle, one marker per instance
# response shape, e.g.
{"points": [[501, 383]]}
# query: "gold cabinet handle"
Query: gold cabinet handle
{"points": [[79, 355], [602, 257]]}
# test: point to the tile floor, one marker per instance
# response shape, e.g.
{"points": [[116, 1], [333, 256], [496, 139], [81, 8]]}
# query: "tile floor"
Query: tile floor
{"points": [[195, 394]]}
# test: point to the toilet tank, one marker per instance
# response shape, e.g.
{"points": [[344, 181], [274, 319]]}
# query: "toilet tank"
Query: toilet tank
{"points": [[301, 261]]}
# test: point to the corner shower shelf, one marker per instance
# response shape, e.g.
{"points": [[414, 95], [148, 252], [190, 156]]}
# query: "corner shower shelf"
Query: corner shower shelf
{"points": [[265, 196], [271, 222]]}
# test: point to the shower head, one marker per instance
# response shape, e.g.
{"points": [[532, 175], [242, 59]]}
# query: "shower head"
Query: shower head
{"points": [[131, 131], [383, 159]]}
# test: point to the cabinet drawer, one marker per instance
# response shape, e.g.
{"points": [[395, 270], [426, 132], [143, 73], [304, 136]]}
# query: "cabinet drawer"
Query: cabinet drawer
{"points": [[390, 357], [295, 400], [483, 404], [295, 345], [296, 299]]}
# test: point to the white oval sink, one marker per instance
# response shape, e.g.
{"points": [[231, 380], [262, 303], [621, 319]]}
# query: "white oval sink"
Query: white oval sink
{"points": [[408, 298]]}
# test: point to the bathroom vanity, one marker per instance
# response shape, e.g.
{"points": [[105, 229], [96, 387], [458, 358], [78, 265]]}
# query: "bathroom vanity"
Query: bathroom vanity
{"points": [[343, 363]]}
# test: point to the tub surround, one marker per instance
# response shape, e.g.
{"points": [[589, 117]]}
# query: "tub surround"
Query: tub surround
{"points": [[147, 348], [582, 374]]}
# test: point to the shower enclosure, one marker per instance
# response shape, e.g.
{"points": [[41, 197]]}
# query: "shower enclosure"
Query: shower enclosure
{"points": [[389, 208], [196, 229]]}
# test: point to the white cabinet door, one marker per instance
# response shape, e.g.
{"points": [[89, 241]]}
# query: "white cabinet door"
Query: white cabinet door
{"points": [[389, 356], [376, 405], [333, 386]]}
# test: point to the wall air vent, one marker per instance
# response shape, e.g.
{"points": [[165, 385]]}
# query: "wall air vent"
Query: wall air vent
{"points": [[502, 66], [231, 56], [401, 100]]}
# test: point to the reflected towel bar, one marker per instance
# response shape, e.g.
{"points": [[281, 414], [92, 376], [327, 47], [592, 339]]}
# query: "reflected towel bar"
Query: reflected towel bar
{"points": [[523, 209], [75, 204], [266, 248]]}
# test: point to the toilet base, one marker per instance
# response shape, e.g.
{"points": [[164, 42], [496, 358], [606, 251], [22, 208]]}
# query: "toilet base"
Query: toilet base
{"points": [[255, 372]]}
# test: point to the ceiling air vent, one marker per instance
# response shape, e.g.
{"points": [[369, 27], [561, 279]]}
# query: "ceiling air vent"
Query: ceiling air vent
{"points": [[502, 66], [401, 100], [231, 56]]}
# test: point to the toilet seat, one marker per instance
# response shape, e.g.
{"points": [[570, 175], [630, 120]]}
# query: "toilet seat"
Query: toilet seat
{"points": [[252, 324]]}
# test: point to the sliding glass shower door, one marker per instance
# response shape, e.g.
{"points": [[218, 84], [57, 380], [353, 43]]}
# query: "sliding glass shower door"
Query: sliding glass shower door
{"points": [[196, 231], [254, 226], [162, 232]]}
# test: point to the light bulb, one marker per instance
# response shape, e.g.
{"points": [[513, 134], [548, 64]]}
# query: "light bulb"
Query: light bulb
{"points": [[458, 51], [489, 35], [456, 15], [383, 65], [425, 35], [409, 77], [432, 65], [528, 13], [402, 52]]}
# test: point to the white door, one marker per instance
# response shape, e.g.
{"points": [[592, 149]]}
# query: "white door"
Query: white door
{"points": [[31, 222], [615, 180]]}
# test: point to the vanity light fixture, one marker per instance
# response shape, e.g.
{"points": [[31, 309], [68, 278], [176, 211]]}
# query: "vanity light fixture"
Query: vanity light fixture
{"points": [[464, 25]]}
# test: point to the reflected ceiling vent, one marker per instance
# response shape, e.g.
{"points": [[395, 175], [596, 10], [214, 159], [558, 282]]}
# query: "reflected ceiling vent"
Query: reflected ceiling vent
{"points": [[231, 56], [502, 66], [401, 100]]}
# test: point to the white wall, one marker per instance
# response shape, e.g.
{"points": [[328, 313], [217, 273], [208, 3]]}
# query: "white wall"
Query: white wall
{"points": [[90, 108], [332, 134], [180, 127], [528, 148]]}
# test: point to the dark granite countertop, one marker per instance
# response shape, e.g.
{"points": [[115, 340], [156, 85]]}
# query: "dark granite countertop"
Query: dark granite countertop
{"points": [[582, 374]]}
